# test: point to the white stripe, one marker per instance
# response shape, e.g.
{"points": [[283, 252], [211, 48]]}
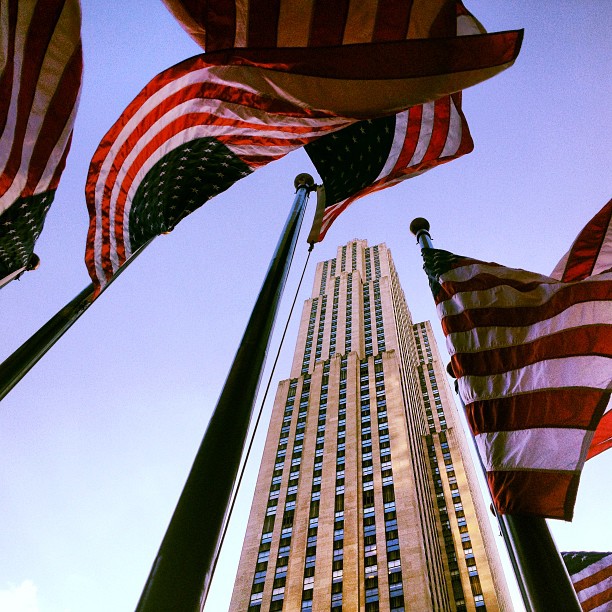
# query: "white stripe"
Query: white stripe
{"points": [[603, 260], [399, 137], [427, 122], [589, 371], [589, 570], [455, 131], [58, 151], [487, 338], [61, 47], [24, 16], [585, 594], [534, 449], [505, 296]]}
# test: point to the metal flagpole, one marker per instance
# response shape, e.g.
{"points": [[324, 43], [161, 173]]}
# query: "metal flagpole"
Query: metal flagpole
{"points": [[182, 570], [21, 361], [540, 572]]}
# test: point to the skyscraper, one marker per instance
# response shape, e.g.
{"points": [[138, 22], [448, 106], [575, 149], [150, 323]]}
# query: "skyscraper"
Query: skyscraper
{"points": [[366, 497]]}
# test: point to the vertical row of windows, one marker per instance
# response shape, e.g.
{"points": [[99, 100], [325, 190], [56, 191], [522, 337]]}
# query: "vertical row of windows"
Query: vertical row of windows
{"points": [[354, 257], [380, 332], [451, 553], [309, 335], [334, 321], [319, 347], [338, 546], [367, 319], [368, 265], [349, 313], [377, 262], [343, 260], [323, 277], [313, 520]]}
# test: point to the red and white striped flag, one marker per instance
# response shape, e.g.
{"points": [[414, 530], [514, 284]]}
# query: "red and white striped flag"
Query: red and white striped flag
{"points": [[373, 155], [40, 79], [591, 574], [591, 253], [533, 359], [419, 38]]}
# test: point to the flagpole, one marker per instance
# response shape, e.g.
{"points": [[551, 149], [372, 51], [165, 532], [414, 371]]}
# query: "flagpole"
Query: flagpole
{"points": [[540, 572], [22, 360], [182, 571]]}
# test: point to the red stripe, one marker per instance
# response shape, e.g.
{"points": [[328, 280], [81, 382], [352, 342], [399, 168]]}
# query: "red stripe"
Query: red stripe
{"points": [[439, 134], [6, 79], [392, 20], [601, 598], [537, 493], [411, 58], [467, 144], [218, 20], [593, 579], [57, 116], [576, 341], [567, 296], [263, 23], [42, 25], [576, 408], [602, 440], [327, 27], [586, 248]]}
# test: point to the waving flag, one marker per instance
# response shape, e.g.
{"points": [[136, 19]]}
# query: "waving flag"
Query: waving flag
{"points": [[533, 359], [189, 135], [376, 154], [591, 253], [591, 574], [40, 79], [420, 38]]}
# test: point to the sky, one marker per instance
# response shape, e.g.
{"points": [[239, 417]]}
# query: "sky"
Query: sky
{"points": [[97, 441]]}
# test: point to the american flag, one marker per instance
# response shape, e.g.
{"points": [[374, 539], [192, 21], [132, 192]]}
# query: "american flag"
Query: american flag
{"points": [[376, 154], [591, 575], [591, 253], [533, 359], [39, 89], [226, 24], [189, 135]]}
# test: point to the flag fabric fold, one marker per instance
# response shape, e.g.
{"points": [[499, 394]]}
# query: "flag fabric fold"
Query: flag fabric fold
{"points": [[591, 575], [40, 80], [374, 155], [590, 254], [533, 359]]}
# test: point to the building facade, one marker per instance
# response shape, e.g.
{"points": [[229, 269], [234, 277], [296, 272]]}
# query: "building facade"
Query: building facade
{"points": [[366, 498]]}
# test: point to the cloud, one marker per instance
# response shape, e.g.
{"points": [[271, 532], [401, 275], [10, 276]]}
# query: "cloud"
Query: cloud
{"points": [[22, 598]]}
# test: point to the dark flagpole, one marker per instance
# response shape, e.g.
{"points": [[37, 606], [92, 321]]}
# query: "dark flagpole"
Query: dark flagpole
{"points": [[182, 571], [21, 361], [540, 572]]}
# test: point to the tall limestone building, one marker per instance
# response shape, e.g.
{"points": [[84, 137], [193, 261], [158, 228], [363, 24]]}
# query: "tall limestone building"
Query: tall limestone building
{"points": [[366, 497]]}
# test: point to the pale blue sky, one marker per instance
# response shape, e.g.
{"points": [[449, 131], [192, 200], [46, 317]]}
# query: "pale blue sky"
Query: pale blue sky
{"points": [[96, 442]]}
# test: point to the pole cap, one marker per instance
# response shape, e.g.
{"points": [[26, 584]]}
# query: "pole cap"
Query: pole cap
{"points": [[419, 225], [304, 180]]}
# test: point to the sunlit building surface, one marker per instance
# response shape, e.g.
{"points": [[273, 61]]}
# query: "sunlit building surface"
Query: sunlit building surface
{"points": [[366, 497]]}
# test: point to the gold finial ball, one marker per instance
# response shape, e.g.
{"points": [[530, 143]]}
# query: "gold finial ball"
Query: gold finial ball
{"points": [[418, 225], [304, 180]]}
